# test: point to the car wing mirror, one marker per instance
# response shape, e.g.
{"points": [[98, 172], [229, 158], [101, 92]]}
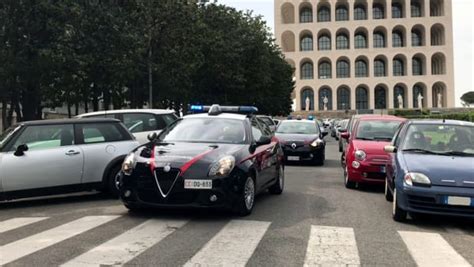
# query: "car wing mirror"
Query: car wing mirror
{"points": [[264, 140], [152, 136], [20, 150], [345, 135], [390, 149]]}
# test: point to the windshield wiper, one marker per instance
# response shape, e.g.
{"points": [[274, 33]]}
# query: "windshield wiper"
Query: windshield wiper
{"points": [[365, 138], [419, 150], [382, 138], [457, 153]]}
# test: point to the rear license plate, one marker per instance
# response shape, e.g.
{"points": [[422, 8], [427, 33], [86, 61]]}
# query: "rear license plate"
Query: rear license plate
{"points": [[382, 169], [293, 158], [458, 201], [197, 184]]}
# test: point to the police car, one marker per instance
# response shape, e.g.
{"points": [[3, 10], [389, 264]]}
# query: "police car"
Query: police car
{"points": [[220, 158]]}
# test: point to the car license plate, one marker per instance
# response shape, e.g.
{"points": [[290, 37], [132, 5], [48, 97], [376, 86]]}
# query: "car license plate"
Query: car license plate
{"points": [[459, 201], [293, 158], [197, 184], [382, 169]]}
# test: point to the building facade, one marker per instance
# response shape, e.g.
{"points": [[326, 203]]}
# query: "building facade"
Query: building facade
{"points": [[368, 54]]}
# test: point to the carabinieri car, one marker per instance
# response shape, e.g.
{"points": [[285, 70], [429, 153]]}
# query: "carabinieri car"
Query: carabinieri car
{"points": [[432, 169], [214, 159]]}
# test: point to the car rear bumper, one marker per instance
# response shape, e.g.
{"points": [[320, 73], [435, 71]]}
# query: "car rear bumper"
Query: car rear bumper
{"points": [[433, 200]]}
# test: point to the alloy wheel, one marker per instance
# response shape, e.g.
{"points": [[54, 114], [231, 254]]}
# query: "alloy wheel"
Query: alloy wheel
{"points": [[249, 193]]}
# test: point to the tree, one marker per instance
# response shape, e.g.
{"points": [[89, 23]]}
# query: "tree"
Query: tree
{"points": [[468, 98]]}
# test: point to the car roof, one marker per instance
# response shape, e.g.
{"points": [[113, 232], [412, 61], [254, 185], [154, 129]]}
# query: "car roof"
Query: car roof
{"points": [[440, 121], [380, 117], [233, 116], [119, 111], [67, 121], [299, 121]]}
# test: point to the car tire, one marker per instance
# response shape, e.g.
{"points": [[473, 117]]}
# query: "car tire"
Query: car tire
{"points": [[246, 200], [279, 185], [348, 183], [387, 192], [398, 214], [340, 148], [132, 207], [112, 181]]}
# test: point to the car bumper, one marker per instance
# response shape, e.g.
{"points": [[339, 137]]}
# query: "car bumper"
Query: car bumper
{"points": [[367, 173], [305, 153], [433, 200]]}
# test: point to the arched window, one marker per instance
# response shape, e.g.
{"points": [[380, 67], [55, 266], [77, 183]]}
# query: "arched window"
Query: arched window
{"points": [[437, 35], [325, 92], [379, 68], [360, 40], [397, 11], [380, 98], [343, 69], [307, 43], [416, 38], [379, 40], [398, 67], [415, 8], [399, 91], [343, 98], [438, 97], [436, 8], [438, 64], [342, 41], [342, 14], [361, 69], [306, 15], [362, 98], [418, 91], [307, 93], [307, 71], [417, 66], [324, 14], [324, 70], [397, 39], [324, 42], [360, 13], [378, 11]]}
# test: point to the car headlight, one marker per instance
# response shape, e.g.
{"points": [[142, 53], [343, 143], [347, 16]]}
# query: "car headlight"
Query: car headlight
{"points": [[317, 143], [415, 178], [128, 164], [222, 167], [360, 155]]}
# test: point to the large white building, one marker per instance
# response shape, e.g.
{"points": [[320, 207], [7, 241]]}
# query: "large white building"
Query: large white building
{"points": [[368, 54]]}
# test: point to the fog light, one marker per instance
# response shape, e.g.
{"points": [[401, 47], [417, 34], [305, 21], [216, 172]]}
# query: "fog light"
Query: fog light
{"points": [[213, 198], [355, 164], [127, 193]]}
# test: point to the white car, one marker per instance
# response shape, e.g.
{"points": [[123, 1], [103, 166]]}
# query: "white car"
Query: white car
{"points": [[140, 122]]}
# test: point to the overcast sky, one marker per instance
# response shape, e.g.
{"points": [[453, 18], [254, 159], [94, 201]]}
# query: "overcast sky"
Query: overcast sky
{"points": [[463, 20]]}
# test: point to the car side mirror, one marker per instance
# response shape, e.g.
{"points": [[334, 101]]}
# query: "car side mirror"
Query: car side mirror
{"points": [[345, 135], [342, 130], [264, 140], [152, 136], [20, 150], [390, 149]]}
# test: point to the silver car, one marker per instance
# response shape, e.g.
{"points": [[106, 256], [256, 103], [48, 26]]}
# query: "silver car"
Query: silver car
{"points": [[62, 156], [140, 122]]}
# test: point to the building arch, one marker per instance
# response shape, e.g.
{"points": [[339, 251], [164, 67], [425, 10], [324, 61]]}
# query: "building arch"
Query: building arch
{"points": [[439, 91], [306, 12], [418, 65], [307, 92], [343, 97], [417, 8], [418, 36], [360, 10], [398, 9], [325, 91], [399, 65], [324, 68], [307, 69], [306, 40], [380, 66], [324, 11], [361, 66], [419, 88], [402, 90], [342, 10], [362, 97], [343, 68], [343, 39], [324, 40], [436, 8], [288, 41], [379, 9], [361, 39], [380, 37], [381, 96], [399, 34], [438, 64], [288, 13], [438, 35]]}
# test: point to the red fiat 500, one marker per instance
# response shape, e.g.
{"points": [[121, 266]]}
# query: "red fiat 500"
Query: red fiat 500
{"points": [[364, 158]]}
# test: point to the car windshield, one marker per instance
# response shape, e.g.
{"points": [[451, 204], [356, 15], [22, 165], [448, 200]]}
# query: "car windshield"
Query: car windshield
{"points": [[7, 134], [377, 130], [440, 139], [298, 128], [205, 130]]}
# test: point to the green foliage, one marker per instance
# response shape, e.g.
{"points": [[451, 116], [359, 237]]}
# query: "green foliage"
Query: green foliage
{"points": [[82, 52], [468, 98], [462, 116]]}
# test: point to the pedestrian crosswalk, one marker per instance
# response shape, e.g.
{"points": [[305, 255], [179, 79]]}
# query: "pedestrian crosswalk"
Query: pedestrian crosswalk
{"points": [[233, 244]]}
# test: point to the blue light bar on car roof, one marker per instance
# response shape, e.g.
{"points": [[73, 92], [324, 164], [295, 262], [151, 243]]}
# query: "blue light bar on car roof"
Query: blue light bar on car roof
{"points": [[216, 109]]}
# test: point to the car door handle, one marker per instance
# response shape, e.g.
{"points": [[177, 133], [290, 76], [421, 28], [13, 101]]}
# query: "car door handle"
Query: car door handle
{"points": [[72, 153]]}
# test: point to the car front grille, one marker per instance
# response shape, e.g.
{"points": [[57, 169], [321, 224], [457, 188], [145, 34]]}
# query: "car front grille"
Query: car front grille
{"points": [[430, 204]]}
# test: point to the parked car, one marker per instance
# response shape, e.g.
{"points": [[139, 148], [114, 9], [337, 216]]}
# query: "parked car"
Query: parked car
{"points": [[61, 156], [268, 121], [216, 159], [431, 169], [349, 128], [301, 140], [140, 122], [342, 128], [364, 159]]}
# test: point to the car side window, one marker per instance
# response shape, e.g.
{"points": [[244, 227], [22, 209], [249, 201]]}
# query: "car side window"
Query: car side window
{"points": [[140, 122], [164, 120], [265, 128], [256, 130], [46, 137], [101, 132]]}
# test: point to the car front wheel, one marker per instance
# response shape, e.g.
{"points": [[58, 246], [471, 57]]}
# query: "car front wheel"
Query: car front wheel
{"points": [[348, 183], [246, 200], [398, 214], [277, 188], [113, 181], [388, 193]]}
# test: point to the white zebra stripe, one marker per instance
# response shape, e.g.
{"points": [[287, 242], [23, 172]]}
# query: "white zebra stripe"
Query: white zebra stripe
{"points": [[15, 223]]}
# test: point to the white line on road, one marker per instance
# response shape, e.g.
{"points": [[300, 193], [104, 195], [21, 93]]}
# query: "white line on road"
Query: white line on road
{"points": [[128, 245], [430, 249], [31, 244], [330, 246], [232, 246], [15, 223]]}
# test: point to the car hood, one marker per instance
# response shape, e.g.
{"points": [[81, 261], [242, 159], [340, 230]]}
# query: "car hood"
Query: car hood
{"points": [[442, 170], [370, 147], [306, 138]]}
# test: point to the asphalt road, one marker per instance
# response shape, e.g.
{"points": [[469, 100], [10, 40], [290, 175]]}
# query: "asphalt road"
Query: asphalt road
{"points": [[316, 221]]}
